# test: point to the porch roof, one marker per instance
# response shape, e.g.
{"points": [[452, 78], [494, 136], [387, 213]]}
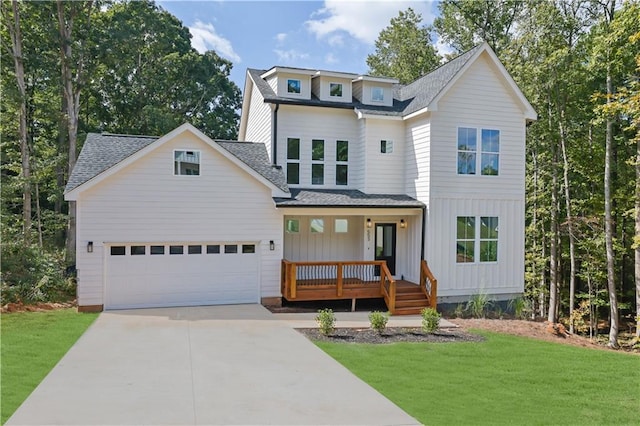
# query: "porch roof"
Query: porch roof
{"points": [[345, 198]]}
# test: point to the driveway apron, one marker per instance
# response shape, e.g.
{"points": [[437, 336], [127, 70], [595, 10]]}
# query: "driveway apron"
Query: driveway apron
{"points": [[201, 365]]}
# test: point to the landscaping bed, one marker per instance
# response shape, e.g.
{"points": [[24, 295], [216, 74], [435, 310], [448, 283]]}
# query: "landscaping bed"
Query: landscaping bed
{"points": [[391, 335]]}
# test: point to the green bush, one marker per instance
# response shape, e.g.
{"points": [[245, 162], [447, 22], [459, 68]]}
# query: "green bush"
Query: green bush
{"points": [[478, 305], [31, 275], [430, 320], [378, 321], [326, 320]]}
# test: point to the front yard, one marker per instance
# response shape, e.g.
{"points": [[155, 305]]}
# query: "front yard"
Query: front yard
{"points": [[504, 380], [32, 344]]}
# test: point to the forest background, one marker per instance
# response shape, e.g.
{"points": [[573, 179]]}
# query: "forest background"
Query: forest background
{"points": [[74, 67]]}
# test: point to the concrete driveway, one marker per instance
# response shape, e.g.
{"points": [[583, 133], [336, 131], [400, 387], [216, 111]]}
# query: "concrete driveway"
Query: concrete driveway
{"points": [[202, 365]]}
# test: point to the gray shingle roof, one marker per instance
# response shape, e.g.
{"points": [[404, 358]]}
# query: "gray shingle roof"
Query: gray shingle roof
{"points": [[103, 151], [407, 99], [345, 198]]}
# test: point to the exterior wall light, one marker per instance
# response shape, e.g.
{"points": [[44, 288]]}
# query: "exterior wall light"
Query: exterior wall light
{"points": [[369, 223], [272, 245], [90, 247], [403, 224]]}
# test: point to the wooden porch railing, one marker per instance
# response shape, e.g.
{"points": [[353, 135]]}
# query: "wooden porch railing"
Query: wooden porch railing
{"points": [[428, 284], [337, 280]]}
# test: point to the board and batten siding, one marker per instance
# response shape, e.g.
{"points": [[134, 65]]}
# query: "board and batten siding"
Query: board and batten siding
{"points": [[328, 124], [259, 121], [384, 171], [479, 99], [145, 203], [326, 246]]}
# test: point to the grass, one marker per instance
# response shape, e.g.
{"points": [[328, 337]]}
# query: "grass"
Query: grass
{"points": [[504, 380], [32, 344]]}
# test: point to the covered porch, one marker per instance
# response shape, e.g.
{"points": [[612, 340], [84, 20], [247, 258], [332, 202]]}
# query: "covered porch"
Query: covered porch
{"points": [[343, 244]]}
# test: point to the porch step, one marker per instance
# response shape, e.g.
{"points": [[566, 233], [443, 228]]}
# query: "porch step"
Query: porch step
{"points": [[408, 311], [412, 303]]}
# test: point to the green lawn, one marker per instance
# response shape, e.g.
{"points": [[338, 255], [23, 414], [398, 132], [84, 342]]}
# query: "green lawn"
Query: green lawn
{"points": [[32, 344], [504, 380]]}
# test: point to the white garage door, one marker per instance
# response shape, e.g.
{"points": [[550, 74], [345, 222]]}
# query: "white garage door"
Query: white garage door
{"points": [[181, 274]]}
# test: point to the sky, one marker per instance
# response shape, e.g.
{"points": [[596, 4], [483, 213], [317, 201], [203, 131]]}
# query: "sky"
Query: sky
{"points": [[332, 35]]}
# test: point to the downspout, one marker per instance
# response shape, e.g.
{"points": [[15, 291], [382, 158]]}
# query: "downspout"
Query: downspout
{"points": [[274, 137], [424, 225]]}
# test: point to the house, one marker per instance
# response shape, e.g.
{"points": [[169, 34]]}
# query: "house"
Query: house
{"points": [[352, 186]]}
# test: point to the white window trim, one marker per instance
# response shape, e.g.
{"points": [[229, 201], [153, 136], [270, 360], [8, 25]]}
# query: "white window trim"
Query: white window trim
{"points": [[341, 89], [286, 88], [342, 163], [173, 162], [373, 88], [323, 162], [476, 240], [293, 161], [389, 144], [479, 151]]}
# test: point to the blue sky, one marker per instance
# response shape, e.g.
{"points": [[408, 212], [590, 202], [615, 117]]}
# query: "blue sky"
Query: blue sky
{"points": [[332, 34]]}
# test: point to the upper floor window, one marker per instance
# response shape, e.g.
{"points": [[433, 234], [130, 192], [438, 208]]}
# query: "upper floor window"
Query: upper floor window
{"points": [[377, 94], [386, 147], [317, 162], [293, 161], [488, 159], [342, 165], [186, 162], [335, 90], [293, 86]]}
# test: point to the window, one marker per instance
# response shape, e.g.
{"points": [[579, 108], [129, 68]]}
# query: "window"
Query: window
{"points": [[317, 226], [137, 250], [293, 161], [186, 162], [292, 226], [293, 86], [230, 248], [386, 147], [213, 249], [248, 248], [471, 239], [341, 226], [156, 250], [118, 250], [468, 159], [335, 90], [176, 249], [317, 165], [194, 249], [342, 158], [377, 94]]}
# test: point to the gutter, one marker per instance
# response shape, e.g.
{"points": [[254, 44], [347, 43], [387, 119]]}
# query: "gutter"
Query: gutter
{"points": [[274, 137], [424, 224]]}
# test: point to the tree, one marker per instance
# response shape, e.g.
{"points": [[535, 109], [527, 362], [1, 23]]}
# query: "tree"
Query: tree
{"points": [[404, 49]]}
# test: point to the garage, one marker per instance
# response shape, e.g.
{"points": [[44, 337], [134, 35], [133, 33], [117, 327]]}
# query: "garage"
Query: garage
{"points": [[146, 275]]}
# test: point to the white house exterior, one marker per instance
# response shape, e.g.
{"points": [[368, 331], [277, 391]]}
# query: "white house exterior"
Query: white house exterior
{"points": [[342, 167]]}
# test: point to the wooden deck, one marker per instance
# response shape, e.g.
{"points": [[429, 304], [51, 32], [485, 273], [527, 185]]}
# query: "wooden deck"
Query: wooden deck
{"points": [[312, 281]]}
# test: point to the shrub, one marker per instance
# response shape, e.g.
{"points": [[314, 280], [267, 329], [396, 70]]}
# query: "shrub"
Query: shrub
{"points": [[378, 321], [459, 311], [430, 320], [326, 320], [478, 305], [520, 307]]}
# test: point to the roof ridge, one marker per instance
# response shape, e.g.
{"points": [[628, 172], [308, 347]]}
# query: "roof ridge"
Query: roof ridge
{"points": [[124, 135]]}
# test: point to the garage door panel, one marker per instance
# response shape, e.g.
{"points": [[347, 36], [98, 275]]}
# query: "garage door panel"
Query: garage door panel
{"points": [[181, 280]]}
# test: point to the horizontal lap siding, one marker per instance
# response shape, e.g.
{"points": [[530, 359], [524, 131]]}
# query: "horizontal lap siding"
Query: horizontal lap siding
{"points": [[259, 120], [144, 202]]}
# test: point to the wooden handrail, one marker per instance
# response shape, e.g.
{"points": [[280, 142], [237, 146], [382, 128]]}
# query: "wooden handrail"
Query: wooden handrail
{"points": [[427, 278], [389, 294]]}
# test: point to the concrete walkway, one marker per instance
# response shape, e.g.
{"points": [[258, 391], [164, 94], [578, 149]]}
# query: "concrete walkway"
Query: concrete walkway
{"points": [[203, 365]]}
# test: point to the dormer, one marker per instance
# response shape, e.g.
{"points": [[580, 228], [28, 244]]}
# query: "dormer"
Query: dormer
{"points": [[374, 90], [290, 82], [332, 86]]}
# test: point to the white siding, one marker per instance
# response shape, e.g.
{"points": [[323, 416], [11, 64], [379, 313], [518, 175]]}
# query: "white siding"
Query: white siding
{"points": [[367, 86], [328, 245], [259, 120], [356, 87], [145, 202], [384, 172], [322, 85], [328, 124], [418, 161], [305, 85]]}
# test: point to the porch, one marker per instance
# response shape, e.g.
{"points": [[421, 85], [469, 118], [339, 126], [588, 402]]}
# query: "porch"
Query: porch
{"points": [[340, 280]]}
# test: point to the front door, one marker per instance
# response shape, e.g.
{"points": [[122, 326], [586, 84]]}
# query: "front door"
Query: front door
{"points": [[386, 244]]}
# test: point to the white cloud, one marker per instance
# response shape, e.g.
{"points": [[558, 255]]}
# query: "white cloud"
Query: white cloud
{"points": [[204, 37], [281, 37], [336, 40], [290, 55], [362, 20], [330, 58]]}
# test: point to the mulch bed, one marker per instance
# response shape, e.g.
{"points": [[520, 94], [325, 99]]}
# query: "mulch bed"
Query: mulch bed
{"points": [[390, 335]]}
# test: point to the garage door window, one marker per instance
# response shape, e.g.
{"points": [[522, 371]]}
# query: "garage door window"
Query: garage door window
{"points": [[118, 250], [157, 250], [195, 249], [137, 250], [176, 249], [248, 248], [230, 248], [213, 249]]}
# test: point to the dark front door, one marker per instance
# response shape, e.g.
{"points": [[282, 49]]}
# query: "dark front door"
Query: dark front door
{"points": [[386, 244]]}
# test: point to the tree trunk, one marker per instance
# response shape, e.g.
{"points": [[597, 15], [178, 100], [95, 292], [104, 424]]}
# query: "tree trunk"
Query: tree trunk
{"points": [[637, 239], [552, 316], [13, 24]]}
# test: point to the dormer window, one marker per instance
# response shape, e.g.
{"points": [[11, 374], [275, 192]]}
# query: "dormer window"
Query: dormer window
{"points": [[335, 90], [186, 162], [293, 86], [377, 94]]}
